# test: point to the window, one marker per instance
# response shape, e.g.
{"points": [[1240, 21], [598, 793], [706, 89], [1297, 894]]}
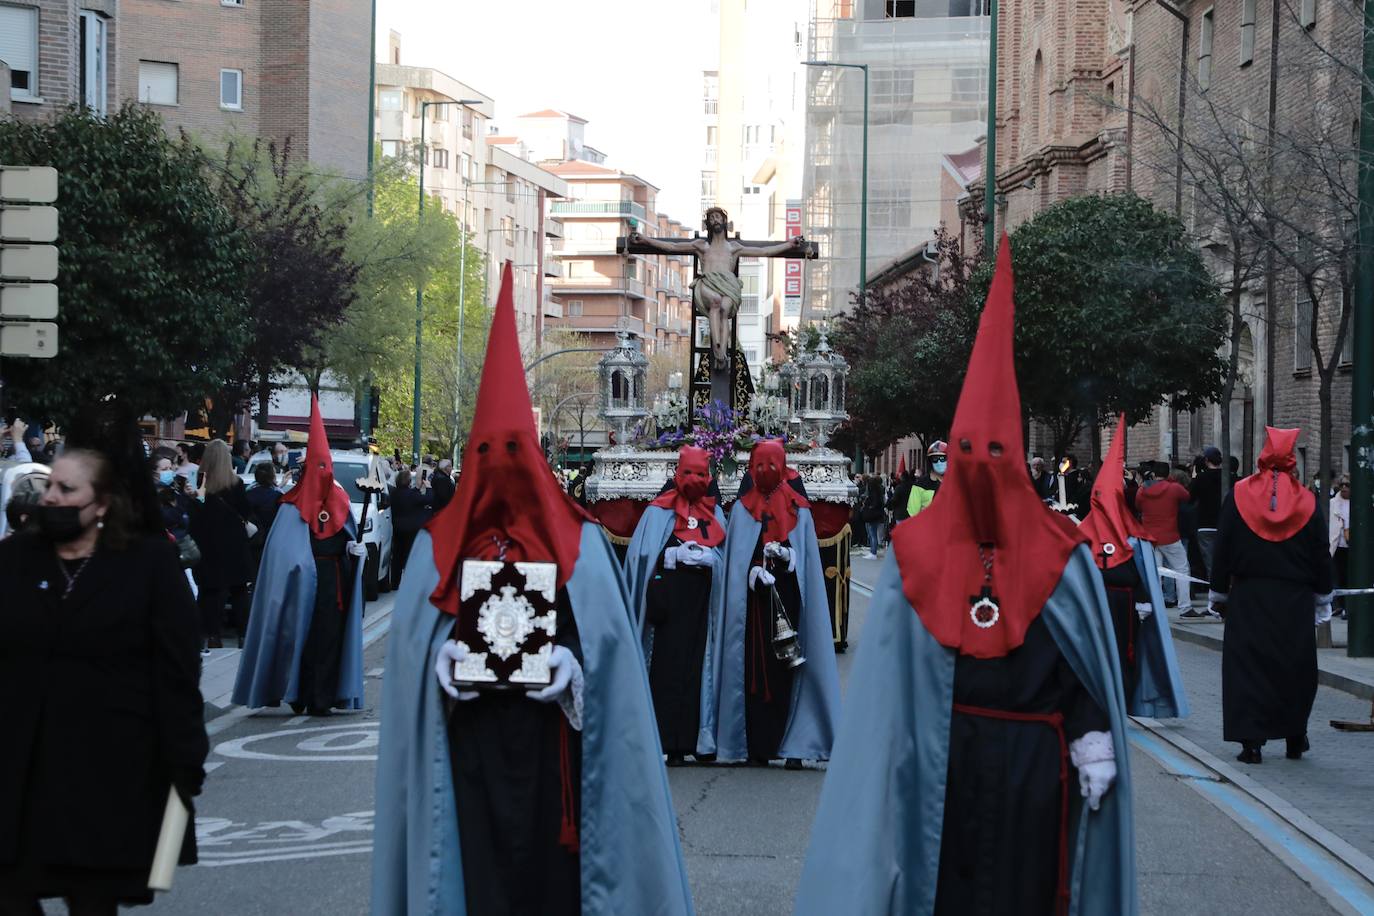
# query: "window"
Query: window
{"points": [[19, 49], [899, 9], [391, 148], [390, 100], [1204, 52], [1307, 13], [510, 190], [574, 308], [93, 73], [1247, 32], [439, 158], [231, 89], [238, 3], [157, 82], [467, 124], [708, 185], [711, 133], [1302, 330]]}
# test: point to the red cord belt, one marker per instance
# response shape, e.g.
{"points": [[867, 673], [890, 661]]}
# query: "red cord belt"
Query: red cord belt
{"points": [[1055, 721]]}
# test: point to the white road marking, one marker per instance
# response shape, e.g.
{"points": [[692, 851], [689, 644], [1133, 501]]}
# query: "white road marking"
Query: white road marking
{"points": [[365, 735], [207, 861]]}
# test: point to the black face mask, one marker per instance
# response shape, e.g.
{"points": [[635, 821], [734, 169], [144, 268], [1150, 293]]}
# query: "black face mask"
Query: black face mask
{"points": [[59, 524]]}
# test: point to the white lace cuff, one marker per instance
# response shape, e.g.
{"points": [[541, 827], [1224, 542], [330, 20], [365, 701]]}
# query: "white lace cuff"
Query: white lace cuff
{"points": [[1144, 609], [1325, 600], [1091, 747], [670, 558], [1217, 597], [570, 700]]}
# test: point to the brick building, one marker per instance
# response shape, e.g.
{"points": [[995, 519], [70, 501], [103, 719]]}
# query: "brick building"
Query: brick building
{"points": [[58, 52], [257, 68], [1089, 94]]}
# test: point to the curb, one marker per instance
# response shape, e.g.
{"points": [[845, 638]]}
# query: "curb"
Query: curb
{"points": [[1364, 690]]}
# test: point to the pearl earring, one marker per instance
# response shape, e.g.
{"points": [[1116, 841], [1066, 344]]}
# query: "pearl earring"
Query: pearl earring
{"points": [[99, 524]]}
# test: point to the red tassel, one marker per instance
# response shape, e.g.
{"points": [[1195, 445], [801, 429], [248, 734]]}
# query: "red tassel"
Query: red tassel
{"points": [[567, 833]]}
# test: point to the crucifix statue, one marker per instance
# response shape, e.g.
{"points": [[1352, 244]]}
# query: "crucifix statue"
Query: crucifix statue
{"points": [[716, 289]]}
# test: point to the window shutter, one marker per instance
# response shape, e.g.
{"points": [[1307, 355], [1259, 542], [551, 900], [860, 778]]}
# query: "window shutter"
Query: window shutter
{"points": [[18, 39], [157, 82]]}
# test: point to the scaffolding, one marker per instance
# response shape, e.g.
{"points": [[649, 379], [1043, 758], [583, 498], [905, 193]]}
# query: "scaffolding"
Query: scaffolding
{"points": [[927, 99]]}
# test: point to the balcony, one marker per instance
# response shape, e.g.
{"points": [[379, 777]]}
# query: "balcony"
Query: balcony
{"points": [[625, 209], [625, 286], [582, 246]]}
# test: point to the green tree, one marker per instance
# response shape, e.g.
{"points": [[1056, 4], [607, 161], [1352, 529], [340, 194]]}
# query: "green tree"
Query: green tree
{"points": [[152, 267], [1115, 313], [300, 283], [908, 345]]}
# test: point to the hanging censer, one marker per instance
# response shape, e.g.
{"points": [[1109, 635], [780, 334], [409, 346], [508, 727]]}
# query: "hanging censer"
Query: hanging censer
{"points": [[786, 647]]}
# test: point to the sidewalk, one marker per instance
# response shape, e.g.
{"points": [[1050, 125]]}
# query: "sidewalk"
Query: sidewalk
{"points": [[1334, 668]]}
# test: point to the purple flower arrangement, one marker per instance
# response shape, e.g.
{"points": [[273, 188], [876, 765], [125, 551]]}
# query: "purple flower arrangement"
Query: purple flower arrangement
{"points": [[718, 429]]}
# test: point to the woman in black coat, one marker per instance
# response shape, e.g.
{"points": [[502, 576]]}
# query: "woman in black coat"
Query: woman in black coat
{"points": [[217, 527], [99, 671]]}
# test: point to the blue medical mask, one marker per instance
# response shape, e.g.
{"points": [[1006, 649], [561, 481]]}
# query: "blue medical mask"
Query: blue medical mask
{"points": [[939, 466], [166, 477]]}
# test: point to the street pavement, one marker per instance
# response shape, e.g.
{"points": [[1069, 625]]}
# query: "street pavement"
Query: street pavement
{"points": [[285, 820]]}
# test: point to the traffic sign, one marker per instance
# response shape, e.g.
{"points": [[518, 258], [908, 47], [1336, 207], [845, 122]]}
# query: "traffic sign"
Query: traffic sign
{"points": [[28, 262], [28, 224], [29, 338], [34, 301], [33, 184]]}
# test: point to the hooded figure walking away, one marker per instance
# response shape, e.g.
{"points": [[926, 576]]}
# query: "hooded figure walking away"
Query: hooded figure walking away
{"points": [[986, 677], [770, 707], [675, 567], [504, 802], [1271, 579], [1150, 677], [305, 631]]}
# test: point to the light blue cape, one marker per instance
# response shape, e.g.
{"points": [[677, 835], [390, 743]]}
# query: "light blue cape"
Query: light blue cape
{"points": [[875, 844], [283, 603], [631, 859], [815, 712], [1159, 691], [641, 559]]}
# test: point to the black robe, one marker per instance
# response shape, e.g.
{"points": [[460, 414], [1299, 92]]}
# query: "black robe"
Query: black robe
{"points": [[319, 677], [1125, 589], [1000, 846], [1269, 657], [768, 681], [678, 606], [516, 766]]}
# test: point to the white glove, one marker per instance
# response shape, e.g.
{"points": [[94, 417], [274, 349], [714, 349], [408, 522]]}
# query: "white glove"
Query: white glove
{"points": [[449, 654], [1322, 609], [779, 552], [760, 576], [1144, 609], [566, 688], [689, 553], [357, 549], [1095, 757]]}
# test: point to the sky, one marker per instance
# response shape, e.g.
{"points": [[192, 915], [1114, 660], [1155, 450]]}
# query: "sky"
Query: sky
{"points": [[631, 68]]}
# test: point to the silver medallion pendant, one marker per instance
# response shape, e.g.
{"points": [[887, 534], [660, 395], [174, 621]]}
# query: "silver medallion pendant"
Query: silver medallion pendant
{"points": [[984, 610], [692, 523]]}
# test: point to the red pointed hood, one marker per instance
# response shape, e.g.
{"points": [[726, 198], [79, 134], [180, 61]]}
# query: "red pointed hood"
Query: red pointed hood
{"points": [[987, 507], [323, 505], [506, 492], [901, 467], [1274, 504], [689, 499], [770, 497], [1111, 522]]}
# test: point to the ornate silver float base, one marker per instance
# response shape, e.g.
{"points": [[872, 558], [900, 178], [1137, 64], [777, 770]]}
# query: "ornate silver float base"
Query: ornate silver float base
{"points": [[623, 472]]}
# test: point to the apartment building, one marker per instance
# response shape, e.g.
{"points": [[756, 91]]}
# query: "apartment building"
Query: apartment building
{"points": [[602, 292], [927, 97], [275, 69], [487, 182], [58, 53]]}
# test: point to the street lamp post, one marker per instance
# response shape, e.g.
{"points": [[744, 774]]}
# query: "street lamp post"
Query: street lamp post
{"points": [[990, 170], [863, 180], [419, 285]]}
